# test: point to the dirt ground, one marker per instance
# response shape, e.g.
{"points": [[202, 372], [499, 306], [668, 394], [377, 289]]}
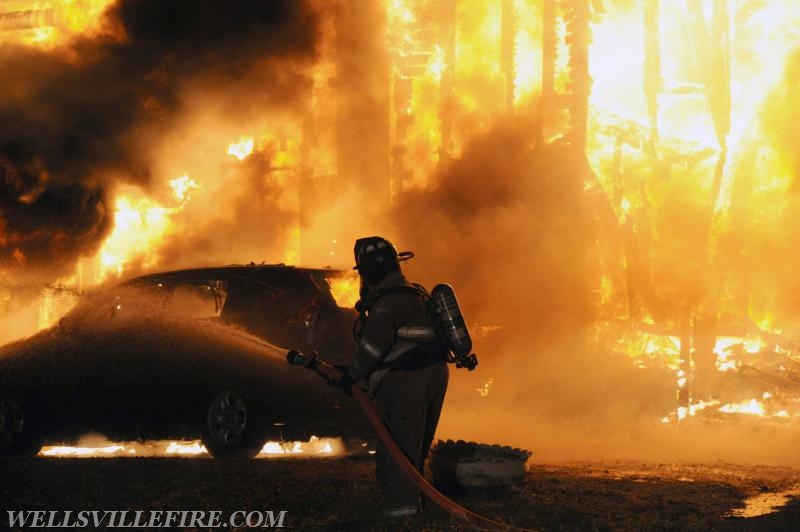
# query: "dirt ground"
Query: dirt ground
{"points": [[339, 493]]}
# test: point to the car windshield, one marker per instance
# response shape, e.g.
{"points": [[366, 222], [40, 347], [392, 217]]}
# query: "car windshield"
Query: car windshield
{"points": [[285, 306], [192, 299], [198, 299], [113, 304]]}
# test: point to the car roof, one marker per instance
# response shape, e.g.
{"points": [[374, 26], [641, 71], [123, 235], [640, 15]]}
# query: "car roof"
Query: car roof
{"points": [[252, 271]]}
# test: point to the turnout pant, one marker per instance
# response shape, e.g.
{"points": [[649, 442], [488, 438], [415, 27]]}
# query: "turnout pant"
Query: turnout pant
{"points": [[411, 402]]}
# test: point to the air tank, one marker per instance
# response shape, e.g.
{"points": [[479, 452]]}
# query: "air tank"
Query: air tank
{"points": [[451, 321]]}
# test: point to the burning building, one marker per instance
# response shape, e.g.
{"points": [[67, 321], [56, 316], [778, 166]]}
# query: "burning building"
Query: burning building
{"points": [[596, 176]]}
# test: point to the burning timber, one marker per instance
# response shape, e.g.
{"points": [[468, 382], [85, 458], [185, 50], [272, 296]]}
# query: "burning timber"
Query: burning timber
{"points": [[744, 372]]}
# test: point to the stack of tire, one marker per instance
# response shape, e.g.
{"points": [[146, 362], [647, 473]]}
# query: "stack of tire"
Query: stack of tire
{"points": [[461, 465]]}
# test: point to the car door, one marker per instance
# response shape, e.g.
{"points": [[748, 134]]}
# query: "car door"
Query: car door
{"points": [[111, 361], [179, 360]]}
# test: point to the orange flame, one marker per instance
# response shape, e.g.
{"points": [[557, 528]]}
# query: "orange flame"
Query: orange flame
{"points": [[345, 289], [52, 23], [241, 149], [140, 224], [99, 447]]}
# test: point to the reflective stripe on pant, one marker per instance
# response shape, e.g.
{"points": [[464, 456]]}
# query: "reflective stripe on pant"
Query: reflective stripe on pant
{"points": [[411, 402]]}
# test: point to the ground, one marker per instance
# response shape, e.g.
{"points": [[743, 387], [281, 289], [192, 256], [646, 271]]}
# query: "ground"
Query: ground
{"points": [[339, 493]]}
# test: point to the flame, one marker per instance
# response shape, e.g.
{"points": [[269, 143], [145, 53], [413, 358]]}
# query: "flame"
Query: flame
{"points": [[46, 310], [445, 91], [649, 350], [345, 289], [419, 67], [292, 253], [683, 412], [241, 149], [314, 446], [140, 224], [753, 406], [98, 447], [682, 378], [65, 451], [53, 22], [756, 408], [186, 448], [727, 347], [527, 52], [693, 408], [182, 186]]}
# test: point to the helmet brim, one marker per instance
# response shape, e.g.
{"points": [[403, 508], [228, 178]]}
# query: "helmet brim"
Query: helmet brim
{"points": [[401, 257]]}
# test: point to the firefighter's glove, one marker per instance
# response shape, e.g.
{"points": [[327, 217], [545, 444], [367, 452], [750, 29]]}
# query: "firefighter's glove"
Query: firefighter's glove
{"points": [[345, 383]]}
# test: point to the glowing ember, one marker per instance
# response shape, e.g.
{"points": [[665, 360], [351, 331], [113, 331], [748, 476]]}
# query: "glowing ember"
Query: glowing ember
{"points": [[484, 390]]}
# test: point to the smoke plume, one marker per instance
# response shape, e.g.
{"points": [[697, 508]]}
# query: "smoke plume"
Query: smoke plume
{"points": [[504, 224], [89, 115]]}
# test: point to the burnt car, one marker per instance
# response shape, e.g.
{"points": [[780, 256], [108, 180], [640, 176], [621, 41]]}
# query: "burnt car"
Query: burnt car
{"points": [[184, 354]]}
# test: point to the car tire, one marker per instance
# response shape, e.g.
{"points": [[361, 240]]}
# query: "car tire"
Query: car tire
{"points": [[18, 435], [231, 428]]}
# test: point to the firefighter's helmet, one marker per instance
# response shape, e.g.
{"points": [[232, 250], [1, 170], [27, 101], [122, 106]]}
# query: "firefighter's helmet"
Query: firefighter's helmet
{"points": [[375, 257]]}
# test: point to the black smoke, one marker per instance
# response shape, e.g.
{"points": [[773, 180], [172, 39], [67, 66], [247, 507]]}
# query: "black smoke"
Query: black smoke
{"points": [[79, 119]]}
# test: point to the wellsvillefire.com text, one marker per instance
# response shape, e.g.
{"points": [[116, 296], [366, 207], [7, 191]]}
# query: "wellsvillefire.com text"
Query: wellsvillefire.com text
{"points": [[149, 519]]}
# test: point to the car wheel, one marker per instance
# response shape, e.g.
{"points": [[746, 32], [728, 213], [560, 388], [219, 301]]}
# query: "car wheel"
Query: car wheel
{"points": [[231, 429], [17, 433]]}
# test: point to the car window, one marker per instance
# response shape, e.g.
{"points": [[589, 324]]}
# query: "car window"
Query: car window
{"points": [[278, 307], [248, 296], [198, 299]]}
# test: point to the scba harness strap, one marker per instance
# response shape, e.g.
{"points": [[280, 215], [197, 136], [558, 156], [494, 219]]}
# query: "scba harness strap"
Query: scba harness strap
{"points": [[365, 304], [428, 349]]}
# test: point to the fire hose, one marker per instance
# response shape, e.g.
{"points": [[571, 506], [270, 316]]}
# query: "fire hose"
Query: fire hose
{"points": [[328, 372]]}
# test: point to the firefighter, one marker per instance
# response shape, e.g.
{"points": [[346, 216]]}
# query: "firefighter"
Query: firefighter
{"points": [[402, 363]]}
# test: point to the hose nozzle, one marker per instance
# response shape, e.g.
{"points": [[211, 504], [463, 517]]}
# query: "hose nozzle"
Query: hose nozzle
{"points": [[296, 358], [467, 361]]}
